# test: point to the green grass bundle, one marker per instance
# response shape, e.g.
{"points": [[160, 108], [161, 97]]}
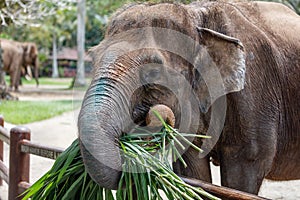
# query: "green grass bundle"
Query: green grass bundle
{"points": [[147, 172]]}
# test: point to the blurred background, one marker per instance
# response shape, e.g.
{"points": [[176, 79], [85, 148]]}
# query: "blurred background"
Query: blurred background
{"points": [[62, 32], [53, 25]]}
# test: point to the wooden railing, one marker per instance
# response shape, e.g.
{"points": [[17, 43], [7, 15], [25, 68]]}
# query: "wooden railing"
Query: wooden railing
{"points": [[20, 148], [17, 176]]}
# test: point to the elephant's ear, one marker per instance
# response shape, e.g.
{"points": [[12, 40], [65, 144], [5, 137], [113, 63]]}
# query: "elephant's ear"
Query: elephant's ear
{"points": [[220, 67]]}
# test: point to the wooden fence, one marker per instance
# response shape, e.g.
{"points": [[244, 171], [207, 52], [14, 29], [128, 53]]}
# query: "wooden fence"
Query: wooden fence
{"points": [[17, 176], [20, 148]]}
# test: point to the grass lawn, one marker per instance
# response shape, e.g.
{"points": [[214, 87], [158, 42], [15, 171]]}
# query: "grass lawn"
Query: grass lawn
{"points": [[45, 81], [50, 81], [23, 112], [67, 82]]}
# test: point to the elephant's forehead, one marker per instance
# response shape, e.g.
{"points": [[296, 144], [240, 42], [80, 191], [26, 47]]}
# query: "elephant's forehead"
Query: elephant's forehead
{"points": [[165, 15]]}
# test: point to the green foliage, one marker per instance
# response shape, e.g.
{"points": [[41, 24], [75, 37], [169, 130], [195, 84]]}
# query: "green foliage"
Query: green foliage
{"points": [[146, 164], [60, 71], [63, 24], [66, 179], [59, 19], [146, 171], [42, 57], [23, 112], [5, 36], [98, 13]]}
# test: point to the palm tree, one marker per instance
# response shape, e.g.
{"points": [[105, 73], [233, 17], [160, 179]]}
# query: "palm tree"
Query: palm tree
{"points": [[80, 75]]}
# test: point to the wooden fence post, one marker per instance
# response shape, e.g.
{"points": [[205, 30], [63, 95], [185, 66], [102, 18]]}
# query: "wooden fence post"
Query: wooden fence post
{"points": [[18, 161], [1, 146]]}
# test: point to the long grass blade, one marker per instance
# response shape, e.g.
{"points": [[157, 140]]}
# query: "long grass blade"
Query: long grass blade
{"points": [[147, 171]]}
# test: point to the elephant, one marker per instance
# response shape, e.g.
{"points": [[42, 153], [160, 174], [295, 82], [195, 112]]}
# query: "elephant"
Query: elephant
{"points": [[31, 61], [17, 55], [227, 69]]}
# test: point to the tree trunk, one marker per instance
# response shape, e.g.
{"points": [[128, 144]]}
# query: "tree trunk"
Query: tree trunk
{"points": [[80, 75], [54, 57], [3, 88]]}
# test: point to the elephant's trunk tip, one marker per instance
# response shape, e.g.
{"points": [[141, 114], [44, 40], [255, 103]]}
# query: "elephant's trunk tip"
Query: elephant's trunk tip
{"points": [[164, 111]]}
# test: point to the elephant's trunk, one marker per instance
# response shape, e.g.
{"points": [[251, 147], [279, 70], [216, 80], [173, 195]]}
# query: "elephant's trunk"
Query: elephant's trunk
{"points": [[109, 109], [36, 70], [101, 122]]}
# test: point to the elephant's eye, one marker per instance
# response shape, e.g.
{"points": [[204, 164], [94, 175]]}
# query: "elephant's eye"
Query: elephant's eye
{"points": [[151, 74], [155, 73]]}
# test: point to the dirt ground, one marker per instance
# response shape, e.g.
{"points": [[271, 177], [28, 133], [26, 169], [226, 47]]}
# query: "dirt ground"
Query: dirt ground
{"points": [[60, 131]]}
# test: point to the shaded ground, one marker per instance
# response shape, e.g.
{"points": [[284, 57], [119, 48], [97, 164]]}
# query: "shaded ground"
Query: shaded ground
{"points": [[60, 131], [47, 92]]}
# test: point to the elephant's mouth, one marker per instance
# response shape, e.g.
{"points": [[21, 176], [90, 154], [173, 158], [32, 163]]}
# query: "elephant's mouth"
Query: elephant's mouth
{"points": [[99, 146], [153, 95]]}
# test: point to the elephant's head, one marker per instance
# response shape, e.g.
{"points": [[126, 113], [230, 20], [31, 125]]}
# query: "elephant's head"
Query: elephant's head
{"points": [[152, 54], [30, 59]]}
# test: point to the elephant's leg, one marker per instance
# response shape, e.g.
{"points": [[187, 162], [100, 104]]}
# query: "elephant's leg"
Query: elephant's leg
{"points": [[12, 79], [197, 167], [244, 167], [18, 79], [15, 71]]}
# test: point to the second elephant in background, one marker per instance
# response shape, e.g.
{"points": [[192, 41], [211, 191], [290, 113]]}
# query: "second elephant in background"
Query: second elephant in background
{"points": [[18, 55], [30, 60]]}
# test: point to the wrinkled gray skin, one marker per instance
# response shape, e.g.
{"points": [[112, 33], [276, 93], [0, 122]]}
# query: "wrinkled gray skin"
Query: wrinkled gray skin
{"points": [[260, 67]]}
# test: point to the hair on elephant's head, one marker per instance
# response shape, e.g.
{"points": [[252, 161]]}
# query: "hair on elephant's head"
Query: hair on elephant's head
{"points": [[152, 54], [30, 58]]}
